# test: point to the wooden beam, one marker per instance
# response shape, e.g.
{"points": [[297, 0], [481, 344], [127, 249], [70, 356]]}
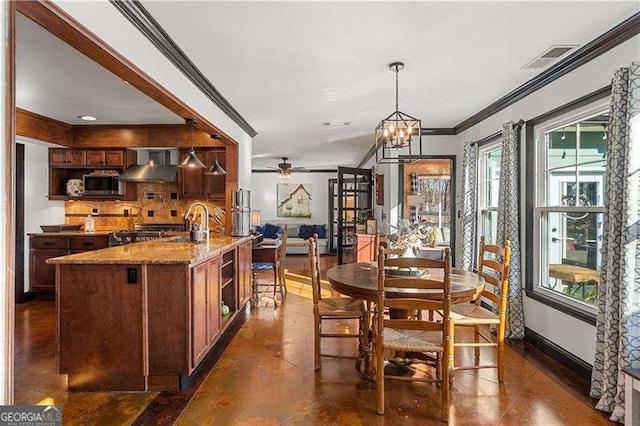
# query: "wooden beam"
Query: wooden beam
{"points": [[55, 20], [35, 126], [139, 136]]}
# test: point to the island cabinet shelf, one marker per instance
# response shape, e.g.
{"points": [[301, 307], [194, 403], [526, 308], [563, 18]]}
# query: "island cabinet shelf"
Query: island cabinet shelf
{"points": [[145, 326]]}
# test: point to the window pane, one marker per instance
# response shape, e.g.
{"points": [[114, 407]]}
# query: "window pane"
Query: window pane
{"points": [[593, 139], [561, 185], [592, 184], [561, 147], [489, 226], [570, 254], [492, 177]]}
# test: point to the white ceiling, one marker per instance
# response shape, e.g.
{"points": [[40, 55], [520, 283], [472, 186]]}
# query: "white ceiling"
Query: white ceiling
{"points": [[57, 81], [288, 66]]}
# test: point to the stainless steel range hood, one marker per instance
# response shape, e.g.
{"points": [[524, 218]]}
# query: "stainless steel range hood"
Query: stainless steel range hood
{"points": [[157, 169]]}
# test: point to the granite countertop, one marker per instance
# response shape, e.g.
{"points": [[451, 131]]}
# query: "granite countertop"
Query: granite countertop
{"points": [[163, 251], [70, 233]]}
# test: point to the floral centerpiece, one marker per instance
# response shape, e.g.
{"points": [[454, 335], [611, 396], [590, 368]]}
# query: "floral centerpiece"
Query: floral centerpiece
{"points": [[409, 236]]}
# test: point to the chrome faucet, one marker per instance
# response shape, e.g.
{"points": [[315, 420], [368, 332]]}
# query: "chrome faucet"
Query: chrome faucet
{"points": [[196, 236]]}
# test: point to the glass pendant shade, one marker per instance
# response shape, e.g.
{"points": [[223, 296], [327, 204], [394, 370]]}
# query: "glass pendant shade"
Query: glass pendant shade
{"points": [[192, 161]]}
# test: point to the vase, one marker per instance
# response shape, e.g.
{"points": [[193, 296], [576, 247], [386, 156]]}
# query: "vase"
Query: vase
{"points": [[408, 252], [74, 187]]}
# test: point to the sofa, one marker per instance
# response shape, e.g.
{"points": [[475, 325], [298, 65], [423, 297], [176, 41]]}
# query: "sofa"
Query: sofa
{"points": [[298, 245]]}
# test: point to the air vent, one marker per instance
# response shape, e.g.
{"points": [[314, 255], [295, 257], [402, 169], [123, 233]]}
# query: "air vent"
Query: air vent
{"points": [[548, 56], [336, 123]]}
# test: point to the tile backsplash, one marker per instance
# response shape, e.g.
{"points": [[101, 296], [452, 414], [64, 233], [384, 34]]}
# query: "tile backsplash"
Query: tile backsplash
{"points": [[156, 203]]}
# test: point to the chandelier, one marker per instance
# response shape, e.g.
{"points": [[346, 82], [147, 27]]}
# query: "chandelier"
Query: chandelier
{"points": [[398, 137]]}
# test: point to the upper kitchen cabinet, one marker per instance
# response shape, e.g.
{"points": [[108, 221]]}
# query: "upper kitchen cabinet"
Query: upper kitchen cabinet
{"points": [[105, 157], [193, 183], [60, 157], [67, 164]]}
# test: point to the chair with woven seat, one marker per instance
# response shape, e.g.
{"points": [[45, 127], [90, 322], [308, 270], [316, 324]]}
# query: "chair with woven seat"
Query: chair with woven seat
{"points": [[414, 335], [332, 308], [496, 276], [278, 272]]}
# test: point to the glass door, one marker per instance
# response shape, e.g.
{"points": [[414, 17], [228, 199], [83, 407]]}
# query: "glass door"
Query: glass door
{"points": [[354, 195]]}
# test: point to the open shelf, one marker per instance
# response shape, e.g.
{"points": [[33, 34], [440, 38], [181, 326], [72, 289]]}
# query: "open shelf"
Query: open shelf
{"points": [[226, 282], [226, 319]]}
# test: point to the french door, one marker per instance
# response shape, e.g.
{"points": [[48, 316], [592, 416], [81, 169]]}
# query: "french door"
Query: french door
{"points": [[354, 195]]}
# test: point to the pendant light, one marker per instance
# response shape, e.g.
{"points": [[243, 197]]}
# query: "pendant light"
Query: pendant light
{"points": [[192, 161], [216, 169], [398, 138]]}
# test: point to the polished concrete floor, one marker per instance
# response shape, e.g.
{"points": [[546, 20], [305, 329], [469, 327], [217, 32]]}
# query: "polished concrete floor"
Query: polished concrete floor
{"points": [[266, 377]]}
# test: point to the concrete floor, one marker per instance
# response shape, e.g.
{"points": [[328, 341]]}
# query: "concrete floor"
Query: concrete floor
{"points": [[266, 377]]}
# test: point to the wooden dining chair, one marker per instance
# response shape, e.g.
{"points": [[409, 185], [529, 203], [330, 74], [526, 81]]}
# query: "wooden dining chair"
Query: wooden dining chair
{"points": [[332, 309], [414, 335], [496, 276], [277, 266]]}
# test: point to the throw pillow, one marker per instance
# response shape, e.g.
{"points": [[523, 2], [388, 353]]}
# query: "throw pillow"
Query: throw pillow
{"points": [[321, 230], [261, 230], [272, 231], [306, 231]]}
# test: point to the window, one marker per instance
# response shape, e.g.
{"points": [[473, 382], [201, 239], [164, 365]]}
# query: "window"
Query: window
{"points": [[570, 160], [489, 157]]}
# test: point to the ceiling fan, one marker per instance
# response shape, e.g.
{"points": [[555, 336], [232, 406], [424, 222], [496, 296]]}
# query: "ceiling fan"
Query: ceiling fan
{"points": [[285, 168]]}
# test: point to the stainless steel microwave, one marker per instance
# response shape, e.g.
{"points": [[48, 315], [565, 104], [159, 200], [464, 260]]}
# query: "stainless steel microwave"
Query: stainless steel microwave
{"points": [[102, 185]]}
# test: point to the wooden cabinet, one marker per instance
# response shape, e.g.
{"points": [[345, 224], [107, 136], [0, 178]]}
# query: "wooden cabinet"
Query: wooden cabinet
{"points": [[42, 275], [102, 157], [151, 345], [67, 157], [199, 320], [213, 300], [214, 185], [190, 180], [66, 164], [114, 158], [244, 272], [193, 183], [365, 248]]}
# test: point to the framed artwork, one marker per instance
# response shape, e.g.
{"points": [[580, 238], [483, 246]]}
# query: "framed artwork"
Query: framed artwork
{"points": [[294, 200]]}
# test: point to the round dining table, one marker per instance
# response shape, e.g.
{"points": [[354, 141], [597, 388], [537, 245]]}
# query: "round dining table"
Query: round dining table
{"points": [[360, 281]]}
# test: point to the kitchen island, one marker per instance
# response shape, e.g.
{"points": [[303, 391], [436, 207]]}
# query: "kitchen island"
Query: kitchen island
{"points": [[143, 316]]}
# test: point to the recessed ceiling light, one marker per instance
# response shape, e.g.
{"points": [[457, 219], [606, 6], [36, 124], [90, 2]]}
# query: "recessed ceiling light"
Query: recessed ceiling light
{"points": [[87, 117], [336, 123]]}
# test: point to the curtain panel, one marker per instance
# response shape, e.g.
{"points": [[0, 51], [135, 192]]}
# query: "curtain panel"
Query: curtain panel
{"points": [[618, 318], [509, 224], [469, 203]]}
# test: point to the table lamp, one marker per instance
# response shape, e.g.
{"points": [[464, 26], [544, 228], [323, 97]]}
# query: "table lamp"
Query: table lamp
{"points": [[255, 219]]}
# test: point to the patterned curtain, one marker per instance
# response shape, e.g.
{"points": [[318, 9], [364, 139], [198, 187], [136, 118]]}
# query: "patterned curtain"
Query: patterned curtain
{"points": [[469, 212], [509, 224], [415, 190], [618, 319]]}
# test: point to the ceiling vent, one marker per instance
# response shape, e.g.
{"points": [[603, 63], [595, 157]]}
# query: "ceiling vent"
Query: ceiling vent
{"points": [[548, 56], [336, 123]]}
